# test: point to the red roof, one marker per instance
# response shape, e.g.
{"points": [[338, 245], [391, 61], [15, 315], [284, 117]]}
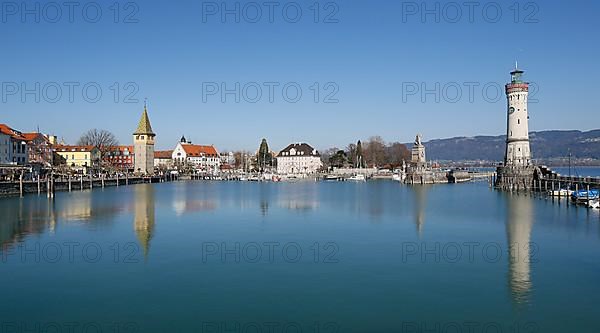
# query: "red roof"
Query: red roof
{"points": [[32, 136], [120, 148], [5, 129], [198, 150], [66, 148], [164, 154]]}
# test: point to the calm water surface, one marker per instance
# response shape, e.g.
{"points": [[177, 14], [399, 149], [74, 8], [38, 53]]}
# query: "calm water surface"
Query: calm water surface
{"points": [[306, 256]]}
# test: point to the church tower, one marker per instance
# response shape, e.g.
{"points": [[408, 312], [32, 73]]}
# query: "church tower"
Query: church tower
{"points": [[517, 135], [143, 145]]}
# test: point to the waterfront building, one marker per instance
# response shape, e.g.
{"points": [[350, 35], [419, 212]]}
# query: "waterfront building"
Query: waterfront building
{"points": [[227, 158], [39, 148], [13, 146], [79, 157], [143, 145], [204, 158], [119, 157], [163, 158], [517, 171], [298, 158]]}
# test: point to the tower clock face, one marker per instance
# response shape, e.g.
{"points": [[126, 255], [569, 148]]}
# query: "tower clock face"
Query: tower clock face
{"points": [[511, 110]]}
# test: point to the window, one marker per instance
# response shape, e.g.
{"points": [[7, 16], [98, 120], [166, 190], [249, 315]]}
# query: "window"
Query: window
{"points": [[518, 121]]}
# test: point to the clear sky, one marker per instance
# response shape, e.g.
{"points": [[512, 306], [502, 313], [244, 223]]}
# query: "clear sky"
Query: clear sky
{"points": [[370, 59]]}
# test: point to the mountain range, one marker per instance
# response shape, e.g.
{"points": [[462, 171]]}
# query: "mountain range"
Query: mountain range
{"points": [[550, 144]]}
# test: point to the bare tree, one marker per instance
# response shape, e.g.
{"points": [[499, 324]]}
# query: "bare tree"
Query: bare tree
{"points": [[374, 151], [102, 139]]}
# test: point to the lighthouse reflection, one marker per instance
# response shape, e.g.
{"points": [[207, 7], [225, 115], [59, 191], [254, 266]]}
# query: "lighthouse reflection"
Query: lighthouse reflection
{"points": [[518, 228], [143, 222]]}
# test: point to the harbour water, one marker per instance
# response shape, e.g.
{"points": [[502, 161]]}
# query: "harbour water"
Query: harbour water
{"points": [[299, 257]]}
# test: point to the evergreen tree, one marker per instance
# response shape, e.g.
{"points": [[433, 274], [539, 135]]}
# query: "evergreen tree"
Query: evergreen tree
{"points": [[263, 157], [360, 160]]}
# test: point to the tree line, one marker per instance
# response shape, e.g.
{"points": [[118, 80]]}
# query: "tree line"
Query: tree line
{"points": [[374, 152]]}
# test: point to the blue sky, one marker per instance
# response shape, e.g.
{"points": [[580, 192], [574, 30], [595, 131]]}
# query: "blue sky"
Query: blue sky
{"points": [[367, 56]]}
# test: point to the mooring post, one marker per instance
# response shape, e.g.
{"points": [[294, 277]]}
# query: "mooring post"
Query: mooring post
{"points": [[126, 179], [102, 179], [39, 185], [559, 190], [588, 196], [117, 179], [51, 191], [21, 184], [69, 183]]}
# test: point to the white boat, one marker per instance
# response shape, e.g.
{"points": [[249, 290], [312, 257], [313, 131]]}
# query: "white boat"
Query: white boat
{"points": [[594, 204], [358, 177], [561, 192], [398, 177], [331, 177]]}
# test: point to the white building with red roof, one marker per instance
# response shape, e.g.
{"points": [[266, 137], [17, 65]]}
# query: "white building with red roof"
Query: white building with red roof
{"points": [[13, 146], [203, 157]]}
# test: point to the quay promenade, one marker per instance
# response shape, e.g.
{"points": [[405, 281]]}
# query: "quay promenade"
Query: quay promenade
{"points": [[50, 185]]}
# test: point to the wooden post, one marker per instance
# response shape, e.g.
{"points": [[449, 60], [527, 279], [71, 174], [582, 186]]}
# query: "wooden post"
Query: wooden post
{"points": [[102, 180], [21, 184], [126, 179], [69, 183], [51, 191], [39, 185], [117, 179], [91, 182], [559, 190], [587, 202]]}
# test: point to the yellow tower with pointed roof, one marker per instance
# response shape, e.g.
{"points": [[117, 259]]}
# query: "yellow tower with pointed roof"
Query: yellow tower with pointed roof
{"points": [[143, 145]]}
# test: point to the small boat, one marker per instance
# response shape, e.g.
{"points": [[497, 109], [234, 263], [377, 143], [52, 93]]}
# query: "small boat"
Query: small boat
{"points": [[594, 204], [583, 195], [358, 177], [398, 177], [253, 179], [329, 178], [561, 192]]}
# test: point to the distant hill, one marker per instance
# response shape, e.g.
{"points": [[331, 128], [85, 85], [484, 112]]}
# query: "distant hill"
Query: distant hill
{"points": [[544, 145]]}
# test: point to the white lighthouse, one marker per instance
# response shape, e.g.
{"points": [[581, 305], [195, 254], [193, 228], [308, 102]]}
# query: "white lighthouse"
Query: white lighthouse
{"points": [[518, 152]]}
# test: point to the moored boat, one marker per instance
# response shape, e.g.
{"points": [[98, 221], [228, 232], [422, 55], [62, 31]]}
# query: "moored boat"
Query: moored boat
{"points": [[561, 192], [584, 195], [359, 177], [331, 177]]}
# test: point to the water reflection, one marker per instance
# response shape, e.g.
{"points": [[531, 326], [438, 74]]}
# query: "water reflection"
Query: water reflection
{"points": [[302, 197], [420, 203], [21, 218], [143, 221], [185, 194], [518, 227]]}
